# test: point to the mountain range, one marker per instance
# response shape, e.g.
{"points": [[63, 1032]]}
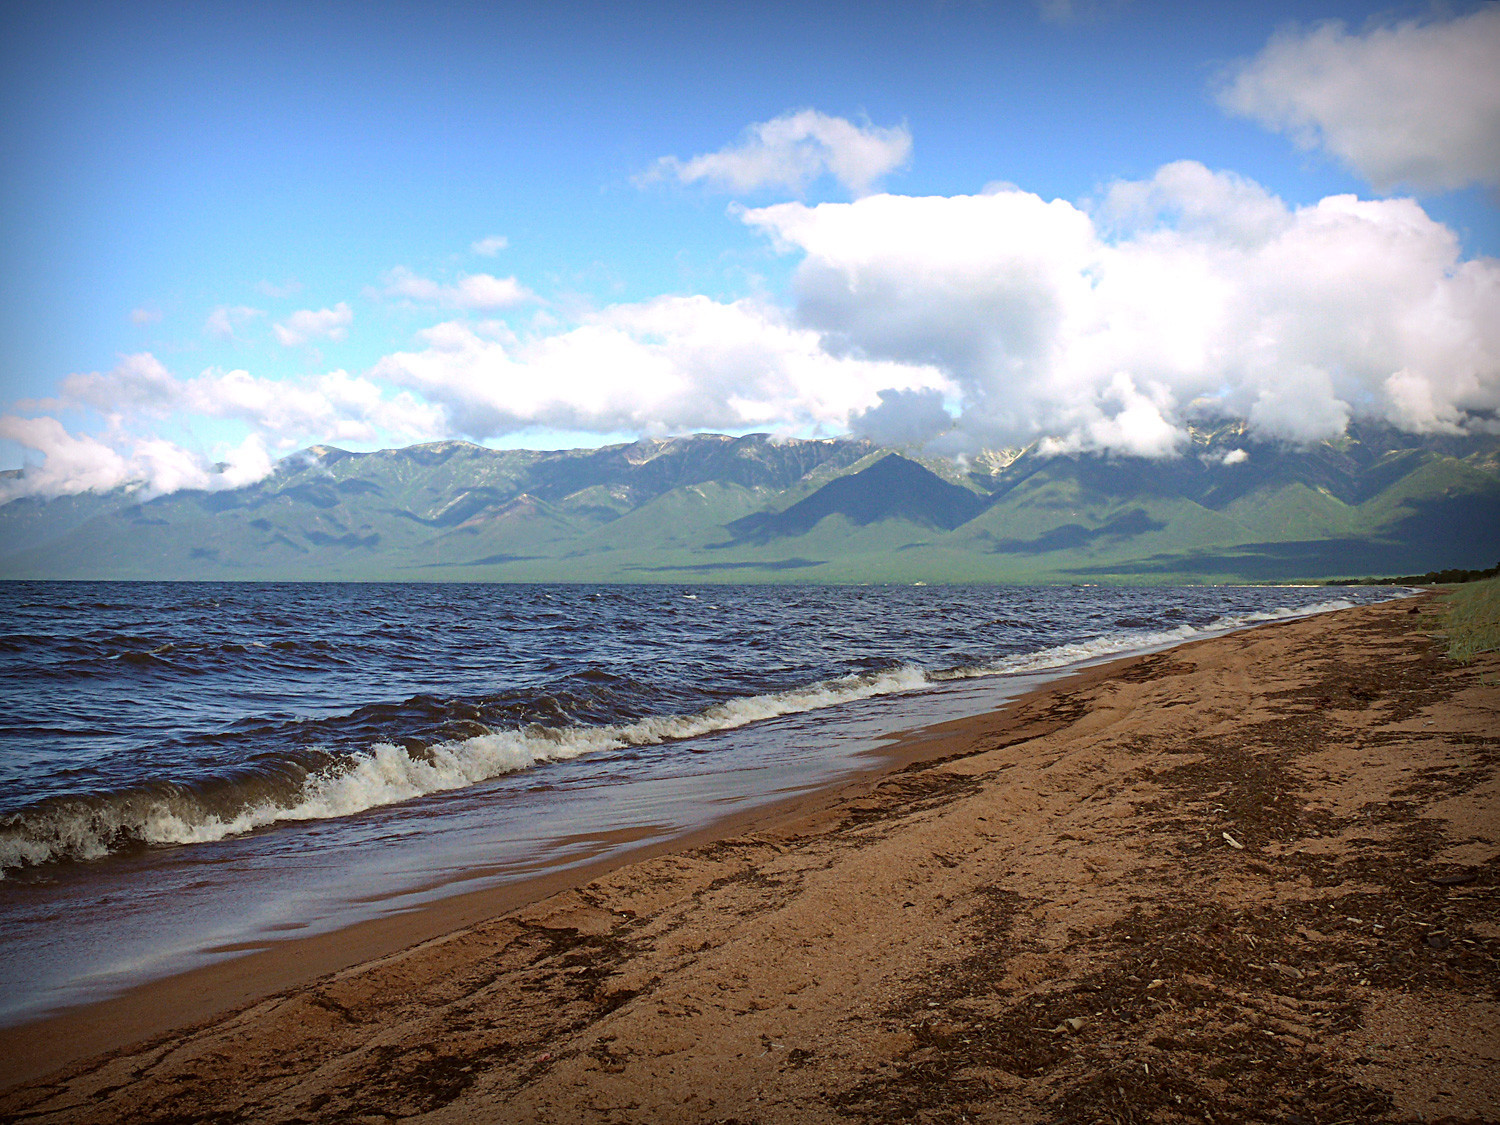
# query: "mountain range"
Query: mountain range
{"points": [[708, 507]]}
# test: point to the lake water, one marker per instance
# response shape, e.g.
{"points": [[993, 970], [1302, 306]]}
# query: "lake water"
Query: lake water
{"points": [[189, 770]]}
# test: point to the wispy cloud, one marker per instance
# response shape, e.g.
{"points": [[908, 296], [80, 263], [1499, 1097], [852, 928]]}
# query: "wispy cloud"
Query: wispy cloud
{"points": [[288, 288], [143, 316], [473, 291], [314, 324], [225, 321], [1065, 12], [792, 151], [489, 247], [1414, 104]]}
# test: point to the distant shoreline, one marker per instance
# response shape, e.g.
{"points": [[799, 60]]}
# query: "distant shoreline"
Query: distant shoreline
{"points": [[1431, 578]]}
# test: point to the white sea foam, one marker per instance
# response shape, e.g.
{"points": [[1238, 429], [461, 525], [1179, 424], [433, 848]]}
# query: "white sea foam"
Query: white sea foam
{"points": [[1113, 644], [386, 774]]}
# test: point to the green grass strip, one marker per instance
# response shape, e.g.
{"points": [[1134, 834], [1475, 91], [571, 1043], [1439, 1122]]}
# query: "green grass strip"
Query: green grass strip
{"points": [[1471, 619]]}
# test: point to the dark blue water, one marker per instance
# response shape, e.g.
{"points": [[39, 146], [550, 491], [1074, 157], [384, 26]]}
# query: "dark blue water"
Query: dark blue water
{"points": [[162, 743]]}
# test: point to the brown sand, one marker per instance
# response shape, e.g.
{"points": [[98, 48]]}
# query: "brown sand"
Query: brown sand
{"points": [[1252, 878]]}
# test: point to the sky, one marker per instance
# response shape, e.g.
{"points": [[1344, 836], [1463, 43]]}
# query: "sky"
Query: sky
{"points": [[231, 230]]}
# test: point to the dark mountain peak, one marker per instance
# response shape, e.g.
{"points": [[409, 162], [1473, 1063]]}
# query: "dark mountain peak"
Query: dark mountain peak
{"points": [[894, 487]]}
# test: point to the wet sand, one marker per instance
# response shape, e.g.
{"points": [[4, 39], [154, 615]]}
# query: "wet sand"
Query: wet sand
{"points": [[1254, 877]]}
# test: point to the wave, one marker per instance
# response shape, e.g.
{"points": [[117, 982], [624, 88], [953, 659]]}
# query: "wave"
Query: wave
{"points": [[1096, 648], [90, 827]]}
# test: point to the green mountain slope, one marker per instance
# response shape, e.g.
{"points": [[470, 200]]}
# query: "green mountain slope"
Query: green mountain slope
{"points": [[714, 508], [893, 487]]}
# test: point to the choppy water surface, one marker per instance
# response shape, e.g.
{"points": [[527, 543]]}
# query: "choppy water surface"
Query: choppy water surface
{"points": [[186, 767]]}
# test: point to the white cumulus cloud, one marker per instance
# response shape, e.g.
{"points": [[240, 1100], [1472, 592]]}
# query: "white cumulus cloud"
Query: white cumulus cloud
{"points": [[149, 466], [663, 366], [962, 322], [1192, 293], [314, 324], [1414, 103], [791, 151], [477, 291], [139, 395], [71, 464], [137, 382], [331, 406]]}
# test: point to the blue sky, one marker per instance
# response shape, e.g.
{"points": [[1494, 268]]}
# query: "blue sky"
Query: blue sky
{"points": [[216, 210]]}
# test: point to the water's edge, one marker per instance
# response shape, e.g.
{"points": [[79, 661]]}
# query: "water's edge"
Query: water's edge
{"points": [[269, 963], [42, 1042]]}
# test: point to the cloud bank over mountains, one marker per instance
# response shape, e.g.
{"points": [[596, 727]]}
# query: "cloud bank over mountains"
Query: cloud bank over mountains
{"points": [[1193, 294], [670, 365], [963, 321], [971, 321]]}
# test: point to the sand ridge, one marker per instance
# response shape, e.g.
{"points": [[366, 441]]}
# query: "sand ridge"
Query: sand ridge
{"points": [[1250, 878]]}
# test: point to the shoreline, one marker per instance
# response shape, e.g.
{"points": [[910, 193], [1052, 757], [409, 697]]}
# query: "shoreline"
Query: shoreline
{"points": [[902, 942], [32, 1048]]}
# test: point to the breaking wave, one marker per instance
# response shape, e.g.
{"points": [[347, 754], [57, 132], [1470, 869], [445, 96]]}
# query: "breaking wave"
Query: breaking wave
{"points": [[316, 785], [91, 827]]}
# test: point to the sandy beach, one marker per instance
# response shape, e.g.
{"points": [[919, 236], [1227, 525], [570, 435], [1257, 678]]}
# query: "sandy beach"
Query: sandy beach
{"points": [[1251, 878]]}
